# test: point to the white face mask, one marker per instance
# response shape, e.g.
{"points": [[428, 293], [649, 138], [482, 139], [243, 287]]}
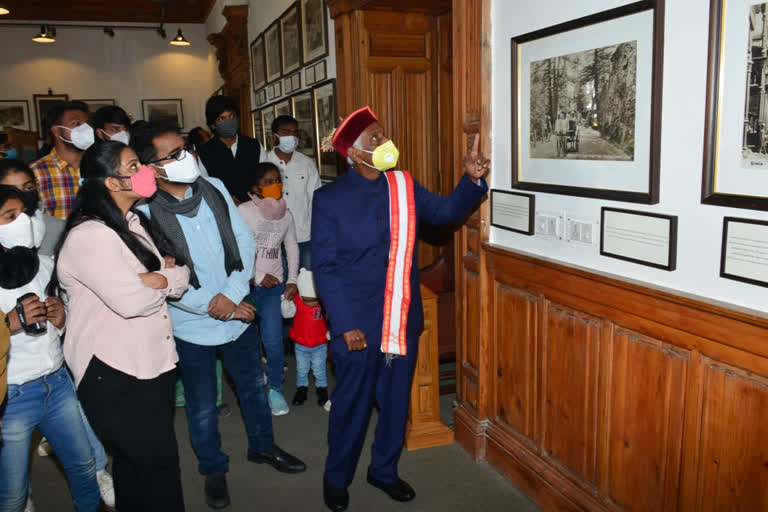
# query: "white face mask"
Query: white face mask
{"points": [[17, 233], [181, 171], [82, 136], [38, 228], [121, 136], [288, 143]]}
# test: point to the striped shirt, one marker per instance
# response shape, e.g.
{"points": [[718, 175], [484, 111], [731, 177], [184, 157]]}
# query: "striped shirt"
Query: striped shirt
{"points": [[58, 183]]}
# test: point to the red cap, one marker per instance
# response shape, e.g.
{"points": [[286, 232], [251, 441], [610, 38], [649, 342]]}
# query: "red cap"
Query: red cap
{"points": [[351, 128]]}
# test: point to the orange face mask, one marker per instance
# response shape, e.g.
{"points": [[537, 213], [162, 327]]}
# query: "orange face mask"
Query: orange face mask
{"points": [[274, 191]]}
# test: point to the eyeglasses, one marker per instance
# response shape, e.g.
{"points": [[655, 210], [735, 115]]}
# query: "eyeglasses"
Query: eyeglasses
{"points": [[179, 154]]}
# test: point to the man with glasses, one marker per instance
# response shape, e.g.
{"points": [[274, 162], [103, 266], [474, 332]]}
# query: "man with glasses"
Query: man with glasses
{"points": [[229, 154], [202, 223]]}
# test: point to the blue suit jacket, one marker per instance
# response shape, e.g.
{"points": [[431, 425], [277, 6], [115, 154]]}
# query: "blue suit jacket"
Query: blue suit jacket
{"points": [[350, 248]]}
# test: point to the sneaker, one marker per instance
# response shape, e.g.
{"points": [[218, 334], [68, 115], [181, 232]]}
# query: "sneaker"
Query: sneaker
{"points": [[277, 403], [44, 449], [30, 505], [322, 396], [301, 395], [106, 487], [327, 406]]}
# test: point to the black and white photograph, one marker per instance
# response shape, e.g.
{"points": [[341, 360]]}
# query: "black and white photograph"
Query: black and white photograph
{"points": [[272, 51], [43, 103], [325, 112], [166, 111], [290, 49], [15, 114], [267, 116], [314, 37], [755, 134], [583, 104], [258, 127], [258, 64], [303, 112], [283, 108]]}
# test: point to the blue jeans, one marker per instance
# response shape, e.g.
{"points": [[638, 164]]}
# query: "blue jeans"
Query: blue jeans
{"points": [[315, 357], [50, 404], [271, 330], [96, 447], [198, 372]]}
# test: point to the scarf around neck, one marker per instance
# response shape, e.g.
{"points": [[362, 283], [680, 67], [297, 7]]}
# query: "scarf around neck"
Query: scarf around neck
{"points": [[165, 208], [270, 209]]}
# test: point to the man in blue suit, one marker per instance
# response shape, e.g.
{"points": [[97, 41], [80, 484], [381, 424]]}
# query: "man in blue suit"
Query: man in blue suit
{"points": [[365, 265]]}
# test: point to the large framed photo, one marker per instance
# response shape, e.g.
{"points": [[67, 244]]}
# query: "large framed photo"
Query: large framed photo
{"points": [[43, 103], [168, 111], [14, 113], [267, 116], [258, 126], [735, 171], [303, 111], [324, 96], [290, 48], [314, 30], [258, 64], [586, 105], [272, 52]]}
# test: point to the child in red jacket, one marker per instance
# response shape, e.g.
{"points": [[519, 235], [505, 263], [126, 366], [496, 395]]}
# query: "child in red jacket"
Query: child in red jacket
{"points": [[311, 336]]}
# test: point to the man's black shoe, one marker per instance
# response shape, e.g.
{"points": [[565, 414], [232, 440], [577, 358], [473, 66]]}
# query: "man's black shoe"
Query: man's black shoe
{"points": [[335, 499], [301, 395], [399, 491], [216, 493], [278, 459], [322, 396]]}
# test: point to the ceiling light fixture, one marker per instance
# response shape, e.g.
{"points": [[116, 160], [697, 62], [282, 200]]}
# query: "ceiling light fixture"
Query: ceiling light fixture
{"points": [[179, 40], [162, 33], [4, 10], [46, 35]]}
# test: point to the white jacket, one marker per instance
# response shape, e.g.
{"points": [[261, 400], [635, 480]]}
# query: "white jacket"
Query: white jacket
{"points": [[32, 357], [300, 180]]}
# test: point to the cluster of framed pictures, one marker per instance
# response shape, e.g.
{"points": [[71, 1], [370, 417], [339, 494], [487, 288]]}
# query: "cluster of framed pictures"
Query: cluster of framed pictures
{"points": [[298, 37], [315, 111]]}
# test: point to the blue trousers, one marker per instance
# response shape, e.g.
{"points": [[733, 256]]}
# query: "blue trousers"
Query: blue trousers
{"points": [[315, 358], [198, 372], [50, 404], [271, 330], [362, 378]]}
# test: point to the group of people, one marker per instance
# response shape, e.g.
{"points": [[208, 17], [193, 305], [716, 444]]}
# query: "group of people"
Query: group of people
{"points": [[131, 257]]}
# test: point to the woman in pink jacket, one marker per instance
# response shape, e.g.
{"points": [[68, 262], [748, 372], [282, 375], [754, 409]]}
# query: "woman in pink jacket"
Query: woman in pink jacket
{"points": [[115, 273]]}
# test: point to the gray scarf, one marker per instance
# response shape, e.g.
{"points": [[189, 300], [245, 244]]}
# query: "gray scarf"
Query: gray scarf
{"points": [[165, 207]]}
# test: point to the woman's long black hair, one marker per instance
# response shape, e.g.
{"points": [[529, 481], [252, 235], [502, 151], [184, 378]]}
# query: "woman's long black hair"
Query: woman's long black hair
{"points": [[94, 202]]}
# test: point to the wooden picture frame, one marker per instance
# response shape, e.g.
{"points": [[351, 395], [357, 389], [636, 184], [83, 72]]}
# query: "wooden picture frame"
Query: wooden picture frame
{"points": [[502, 215], [326, 107], [43, 103], [258, 63], [752, 254], [165, 110], [272, 52], [314, 30], [15, 114], [639, 239], [573, 145], [735, 164], [290, 39]]}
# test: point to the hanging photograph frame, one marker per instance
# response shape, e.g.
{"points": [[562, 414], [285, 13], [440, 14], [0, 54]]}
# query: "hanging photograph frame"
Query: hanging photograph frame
{"points": [[303, 110], [272, 52], [43, 103], [258, 126], [258, 63], [325, 105], [290, 39], [314, 30], [598, 140], [15, 113]]}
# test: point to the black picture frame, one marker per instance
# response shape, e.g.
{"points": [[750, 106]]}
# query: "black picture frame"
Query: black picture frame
{"points": [[289, 67], [311, 53], [26, 124], [531, 212], [258, 56], [147, 104], [329, 161], [43, 103], [652, 195], [724, 247], [273, 52], [672, 259]]}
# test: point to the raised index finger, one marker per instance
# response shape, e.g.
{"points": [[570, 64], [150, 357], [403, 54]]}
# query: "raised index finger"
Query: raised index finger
{"points": [[475, 144]]}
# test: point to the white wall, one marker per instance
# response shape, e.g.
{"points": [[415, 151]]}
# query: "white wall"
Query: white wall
{"points": [[87, 64], [700, 226]]}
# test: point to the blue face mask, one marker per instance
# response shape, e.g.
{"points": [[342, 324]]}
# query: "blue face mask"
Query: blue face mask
{"points": [[12, 153]]}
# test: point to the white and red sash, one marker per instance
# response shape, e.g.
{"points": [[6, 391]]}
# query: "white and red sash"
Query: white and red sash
{"points": [[402, 235]]}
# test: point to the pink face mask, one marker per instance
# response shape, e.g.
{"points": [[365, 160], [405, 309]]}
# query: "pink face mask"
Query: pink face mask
{"points": [[143, 182]]}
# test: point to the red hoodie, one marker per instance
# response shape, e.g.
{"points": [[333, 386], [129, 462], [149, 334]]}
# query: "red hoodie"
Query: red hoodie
{"points": [[309, 327]]}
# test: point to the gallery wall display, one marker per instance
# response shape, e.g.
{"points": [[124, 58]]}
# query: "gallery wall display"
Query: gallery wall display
{"points": [[735, 171], [640, 237], [744, 253], [289, 35], [258, 64], [272, 51], [324, 96], [164, 110], [513, 211], [586, 105], [314, 30], [14, 113], [94, 105], [43, 103]]}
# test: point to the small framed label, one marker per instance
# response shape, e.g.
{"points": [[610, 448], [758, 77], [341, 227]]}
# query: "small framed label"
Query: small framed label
{"points": [[744, 255], [513, 211], [640, 237]]}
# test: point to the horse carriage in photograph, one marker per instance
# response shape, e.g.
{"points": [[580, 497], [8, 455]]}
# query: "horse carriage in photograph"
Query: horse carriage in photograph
{"points": [[569, 141]]}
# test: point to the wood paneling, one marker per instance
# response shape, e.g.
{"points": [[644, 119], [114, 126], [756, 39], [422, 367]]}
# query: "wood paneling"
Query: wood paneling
{"points": [[134, 11]]}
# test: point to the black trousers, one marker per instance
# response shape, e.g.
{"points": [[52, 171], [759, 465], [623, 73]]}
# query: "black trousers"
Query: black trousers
{"points": [[136, 417]]}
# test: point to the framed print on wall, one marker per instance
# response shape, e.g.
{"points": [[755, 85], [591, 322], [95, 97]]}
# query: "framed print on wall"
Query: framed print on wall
{"points": [[735, 171], [94, 105], [314, 30], [272, 52], [167, 111], [258, 64], [14, 113], [283, 108], [267, 116], [258, 126], [586, 105], [303, 111], [43, 103], [290, 48], [324, 96]]}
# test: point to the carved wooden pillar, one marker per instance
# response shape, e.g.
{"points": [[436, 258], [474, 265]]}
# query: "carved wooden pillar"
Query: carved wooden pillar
{"points": [[234, 66]]}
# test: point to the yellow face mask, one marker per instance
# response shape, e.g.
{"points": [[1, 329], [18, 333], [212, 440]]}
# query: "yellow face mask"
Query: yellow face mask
{"points": [[384, 157], [274, 191]]}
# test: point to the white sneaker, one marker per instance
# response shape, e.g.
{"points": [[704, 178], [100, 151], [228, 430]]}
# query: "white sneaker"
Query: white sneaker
{"points": [[327, 406], [106, 487], [30, 506], [44, 449]]}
